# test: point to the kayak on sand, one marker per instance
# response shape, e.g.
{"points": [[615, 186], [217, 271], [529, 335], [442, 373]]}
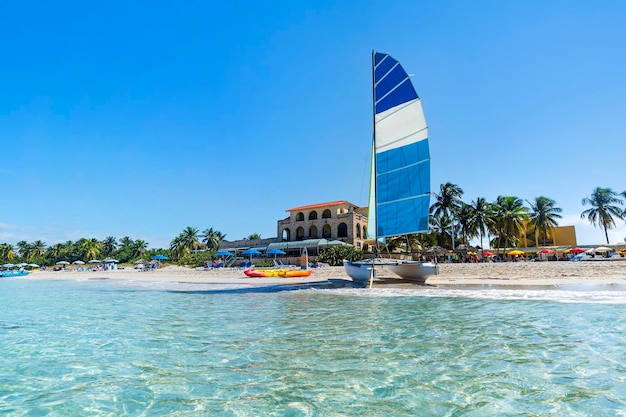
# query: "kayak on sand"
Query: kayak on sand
{"points": [[284, 273]]}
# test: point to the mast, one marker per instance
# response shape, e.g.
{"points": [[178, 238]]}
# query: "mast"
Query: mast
{"points": [[373, 167]]}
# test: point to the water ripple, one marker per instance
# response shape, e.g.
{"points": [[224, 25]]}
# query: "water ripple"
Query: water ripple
{"points": [[95, 349]]}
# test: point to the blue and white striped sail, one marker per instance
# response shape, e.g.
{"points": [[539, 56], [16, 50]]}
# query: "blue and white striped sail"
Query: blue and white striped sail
{"points": [[400, 197]]}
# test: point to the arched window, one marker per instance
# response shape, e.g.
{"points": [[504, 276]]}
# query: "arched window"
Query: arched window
{"points": [[300, 233], [313, 232], [358, 230], [313, 215], [326, 231], [342, 230], [326, 214], [300, 217], [286, 235], [364, 232]]}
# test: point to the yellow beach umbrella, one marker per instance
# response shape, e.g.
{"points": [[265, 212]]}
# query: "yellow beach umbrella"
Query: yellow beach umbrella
{"points": [[516, 252]]}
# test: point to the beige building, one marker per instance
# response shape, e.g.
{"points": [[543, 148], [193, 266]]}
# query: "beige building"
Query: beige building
{"points": [[336, 220], [314, 227]]}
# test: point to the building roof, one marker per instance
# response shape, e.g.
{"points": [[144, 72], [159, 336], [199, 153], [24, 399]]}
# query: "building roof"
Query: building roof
{"points": [[308, 243], [320, 205]]}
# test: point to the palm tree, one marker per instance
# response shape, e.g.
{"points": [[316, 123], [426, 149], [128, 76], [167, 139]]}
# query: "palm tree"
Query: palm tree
{"points": [[441, 225], [139, 248], [213, 238], [448, 201], [177, 246], [189, 239], [254, 236], [125, 243], [109, 244], [465, 216], [543, 216], [55, 252], [90, 248], [24, 249], [7, 252], [603, 203], [39, 250], [509, 216], [481, 221]]}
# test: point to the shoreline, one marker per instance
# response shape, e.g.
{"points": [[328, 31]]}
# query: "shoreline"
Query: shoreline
{"points": [[545, 275]]}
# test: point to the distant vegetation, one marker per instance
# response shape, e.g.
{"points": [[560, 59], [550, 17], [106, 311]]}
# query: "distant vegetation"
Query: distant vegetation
{"points": [[500, 222]]}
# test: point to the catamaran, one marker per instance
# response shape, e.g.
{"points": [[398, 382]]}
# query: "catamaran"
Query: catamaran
{"points": [[399, 197]]}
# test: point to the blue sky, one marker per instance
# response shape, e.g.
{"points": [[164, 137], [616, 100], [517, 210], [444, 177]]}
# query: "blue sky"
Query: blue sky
{"points": [[141, 118]]}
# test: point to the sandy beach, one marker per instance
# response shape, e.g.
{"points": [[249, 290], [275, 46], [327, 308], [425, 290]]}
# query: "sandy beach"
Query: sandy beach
{"points": [[487, 274]]}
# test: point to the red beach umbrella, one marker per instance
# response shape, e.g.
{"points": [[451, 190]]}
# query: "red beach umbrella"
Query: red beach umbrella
{"points": [[548, 251], [577, 250], [487, 253]]}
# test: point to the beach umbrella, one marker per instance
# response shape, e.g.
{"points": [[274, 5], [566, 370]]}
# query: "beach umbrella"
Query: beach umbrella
{"points": [[437, 250], [8, 265], [94, 261], [78, 263], [516, 252], [224, 253], [63, 263], [251, 252], [465, 247], [577, 250], [33, 265], [487, 253], [276, 252], [602, 249], [110, 261], [547, 251], [159, 257]]}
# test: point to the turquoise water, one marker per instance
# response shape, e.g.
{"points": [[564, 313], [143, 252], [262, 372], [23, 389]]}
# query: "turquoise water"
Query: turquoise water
{"points": [[94, 348]]}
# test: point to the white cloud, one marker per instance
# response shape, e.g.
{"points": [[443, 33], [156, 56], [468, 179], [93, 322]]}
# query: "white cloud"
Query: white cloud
{"points": [[13, 233]]}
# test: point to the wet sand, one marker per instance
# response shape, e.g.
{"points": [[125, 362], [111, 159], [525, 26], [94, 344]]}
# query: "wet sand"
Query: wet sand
{"points": [[517, 274]]}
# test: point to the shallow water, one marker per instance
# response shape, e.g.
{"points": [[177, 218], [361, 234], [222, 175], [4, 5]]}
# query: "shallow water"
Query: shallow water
{"points": [[102, 348]]}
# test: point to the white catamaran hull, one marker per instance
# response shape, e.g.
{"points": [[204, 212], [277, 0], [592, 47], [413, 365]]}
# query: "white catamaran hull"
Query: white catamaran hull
{"points": [[359, 272], [415, 271]]}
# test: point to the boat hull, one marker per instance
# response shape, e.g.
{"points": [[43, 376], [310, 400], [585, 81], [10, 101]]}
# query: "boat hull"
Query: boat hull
{"points": [[283, 273], [414, 271], [11, 274], [359, 272]]}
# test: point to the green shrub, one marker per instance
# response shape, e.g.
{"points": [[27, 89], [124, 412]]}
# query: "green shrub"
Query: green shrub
{"points": [[335, 255]]}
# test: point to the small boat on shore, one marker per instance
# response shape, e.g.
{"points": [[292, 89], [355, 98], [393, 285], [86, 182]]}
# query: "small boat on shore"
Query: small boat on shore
{"points": [[12, 274], [399, 197], [414, 271], [283, 273]]}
